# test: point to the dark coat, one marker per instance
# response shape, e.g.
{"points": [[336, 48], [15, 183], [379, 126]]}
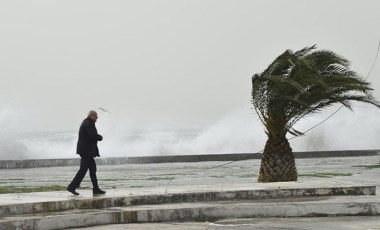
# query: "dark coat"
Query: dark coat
{"points": [[88, 139]]}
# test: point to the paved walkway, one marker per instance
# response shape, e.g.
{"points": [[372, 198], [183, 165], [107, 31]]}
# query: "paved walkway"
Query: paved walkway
{"points": [[126, 180], [157, 176], [230, 205], [24, 198]]}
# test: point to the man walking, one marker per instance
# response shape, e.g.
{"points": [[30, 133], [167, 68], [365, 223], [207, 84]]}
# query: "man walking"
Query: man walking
{"points": [[87, 148]]}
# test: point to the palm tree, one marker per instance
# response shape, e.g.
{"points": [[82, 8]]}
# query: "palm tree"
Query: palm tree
{"points": [[295, 85]]}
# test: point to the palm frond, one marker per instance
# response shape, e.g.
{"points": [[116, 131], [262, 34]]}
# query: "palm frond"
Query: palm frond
{"points": [[297, 84]]}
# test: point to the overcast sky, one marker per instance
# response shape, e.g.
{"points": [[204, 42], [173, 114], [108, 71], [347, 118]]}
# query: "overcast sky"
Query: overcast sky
{"points": [[162, 63]]}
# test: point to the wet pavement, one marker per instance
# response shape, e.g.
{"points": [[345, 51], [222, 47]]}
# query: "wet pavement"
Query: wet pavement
{"points": [[144, 179], [160, 176]]}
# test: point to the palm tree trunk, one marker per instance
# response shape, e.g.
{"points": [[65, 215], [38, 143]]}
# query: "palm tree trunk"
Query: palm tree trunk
{"points": [[277, 161]]}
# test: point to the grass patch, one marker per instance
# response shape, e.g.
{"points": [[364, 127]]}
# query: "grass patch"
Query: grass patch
{"points": [[134, 179], [13, 179], [216, 176], [324, 175], [376, 166], [158, 178], [113, 179], [247, 175], [137, 186], [24, 189]]}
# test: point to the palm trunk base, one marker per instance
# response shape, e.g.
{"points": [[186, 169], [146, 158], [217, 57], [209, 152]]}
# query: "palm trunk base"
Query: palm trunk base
{"points": [[278, 162]]}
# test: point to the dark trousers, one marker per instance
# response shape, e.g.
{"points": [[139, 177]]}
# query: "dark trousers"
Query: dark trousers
{"points": [[86, 163]]}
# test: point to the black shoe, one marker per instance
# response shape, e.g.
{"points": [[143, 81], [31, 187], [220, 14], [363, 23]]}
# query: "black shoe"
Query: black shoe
{"points": [[98, 191], [72, 190]]}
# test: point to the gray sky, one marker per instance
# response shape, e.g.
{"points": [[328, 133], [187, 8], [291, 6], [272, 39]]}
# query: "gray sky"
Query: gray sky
{"points": [[162, 63]]}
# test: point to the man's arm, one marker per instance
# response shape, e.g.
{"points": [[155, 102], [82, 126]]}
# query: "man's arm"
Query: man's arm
{"points": [[92, 132]]}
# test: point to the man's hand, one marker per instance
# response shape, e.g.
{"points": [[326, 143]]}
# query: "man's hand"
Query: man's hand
{"points": [[100, 138]]}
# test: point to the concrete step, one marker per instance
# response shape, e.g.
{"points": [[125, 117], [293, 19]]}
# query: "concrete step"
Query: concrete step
{"points": [[57, 201], [198, 211]]}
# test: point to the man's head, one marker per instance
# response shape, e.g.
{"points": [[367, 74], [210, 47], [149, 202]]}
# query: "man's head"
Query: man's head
{"points": [[93, 115]]}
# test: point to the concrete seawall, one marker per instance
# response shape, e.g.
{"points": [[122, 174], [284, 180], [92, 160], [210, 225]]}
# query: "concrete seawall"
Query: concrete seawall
{"points": [[36, 163]]}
